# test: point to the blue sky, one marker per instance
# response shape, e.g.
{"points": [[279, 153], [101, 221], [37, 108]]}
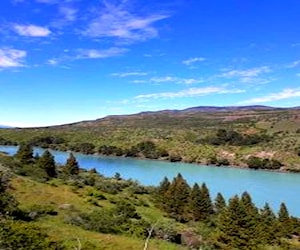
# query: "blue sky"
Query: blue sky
{"points": [[64, 61]]}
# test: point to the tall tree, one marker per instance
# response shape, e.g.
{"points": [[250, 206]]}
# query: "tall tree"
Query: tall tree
{"points": [[219, 203], [162, 191], [25, 153], [177, 198], [71, 167], [47, 163], [200, 203], [267, 226], [284, 220], [236, 227]]}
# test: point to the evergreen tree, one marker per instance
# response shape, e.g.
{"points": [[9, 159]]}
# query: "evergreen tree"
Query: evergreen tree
{"points": [[207, 206], [201, 204], [195, 202], [219, 203], [284, 221], [177, 198], [25, 153], [161, 192], [236, 227], [71, 167], [47, 163], [267, 226], [248, 204]]}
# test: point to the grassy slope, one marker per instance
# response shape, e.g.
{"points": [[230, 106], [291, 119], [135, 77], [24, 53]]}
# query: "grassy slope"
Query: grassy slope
{"points": [[29, 193]]}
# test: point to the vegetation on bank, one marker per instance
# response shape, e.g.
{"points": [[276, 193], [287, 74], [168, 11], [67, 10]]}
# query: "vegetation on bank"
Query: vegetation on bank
{"points": [[45, 206], [247, 137]]}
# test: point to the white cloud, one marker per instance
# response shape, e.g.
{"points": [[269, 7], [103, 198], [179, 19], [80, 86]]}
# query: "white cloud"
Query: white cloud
{"points": [[190, 92], [164, 79], [68, 13], [52, 62], [94, 53], [284, 94], [139, 81], [249, 76], [10, 58], [294, 64], [189, 81], [126, 74], [254, 72], [193, 60], [117, 22], [178, 80], [31, 30]]}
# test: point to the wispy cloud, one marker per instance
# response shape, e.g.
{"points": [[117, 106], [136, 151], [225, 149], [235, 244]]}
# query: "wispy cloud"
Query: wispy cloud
{"points": [[48, 1], [253, 72], [249, 76], [95, 53], [10, 58], [31, 30], [164, 79], [52, 62], [133, 73], [190, 92], [193, 60], [69, 14], [117, 21], [178, 80], [284, 94], [294, 64]]}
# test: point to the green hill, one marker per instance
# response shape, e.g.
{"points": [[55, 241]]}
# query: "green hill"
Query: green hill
{"points": [[269, 137]]}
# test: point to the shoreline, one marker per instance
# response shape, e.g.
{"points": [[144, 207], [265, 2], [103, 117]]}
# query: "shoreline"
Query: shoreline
{"points": [[281, 170]]}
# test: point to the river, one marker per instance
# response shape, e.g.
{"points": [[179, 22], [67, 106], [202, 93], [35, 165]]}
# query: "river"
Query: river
{"points": [[264, 186]]}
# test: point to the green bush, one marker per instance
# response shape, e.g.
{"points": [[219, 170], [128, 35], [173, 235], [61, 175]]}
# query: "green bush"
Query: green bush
{"points": [[24, 236]]}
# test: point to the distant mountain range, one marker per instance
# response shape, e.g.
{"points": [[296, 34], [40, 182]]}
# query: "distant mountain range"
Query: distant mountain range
{"points": [[188, 116], [4, 126]]}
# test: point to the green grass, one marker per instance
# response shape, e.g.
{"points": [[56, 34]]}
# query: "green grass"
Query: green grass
{"points": [[29, 193]]}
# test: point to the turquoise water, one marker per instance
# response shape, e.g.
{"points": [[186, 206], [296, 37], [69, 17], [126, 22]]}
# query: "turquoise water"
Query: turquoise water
{"points": [[263, 186]]}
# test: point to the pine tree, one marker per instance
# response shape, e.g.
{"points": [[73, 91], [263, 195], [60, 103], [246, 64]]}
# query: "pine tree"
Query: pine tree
{"points": [[267, 226], [177, 198], [71, 167], [201, 204], [248, 204], [284, 220], [219, 203], [161, 192], [25, 153], [47, 163], [195, 202], [236, 227]]}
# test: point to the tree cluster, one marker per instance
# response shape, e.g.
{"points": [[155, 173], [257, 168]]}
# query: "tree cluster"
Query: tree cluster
{"points": [[234, 138], [237, 225], [42, 167], [263, 163]]}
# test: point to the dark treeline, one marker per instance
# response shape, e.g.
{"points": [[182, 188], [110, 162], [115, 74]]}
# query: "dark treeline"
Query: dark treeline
{"points": [[234, 138]]}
